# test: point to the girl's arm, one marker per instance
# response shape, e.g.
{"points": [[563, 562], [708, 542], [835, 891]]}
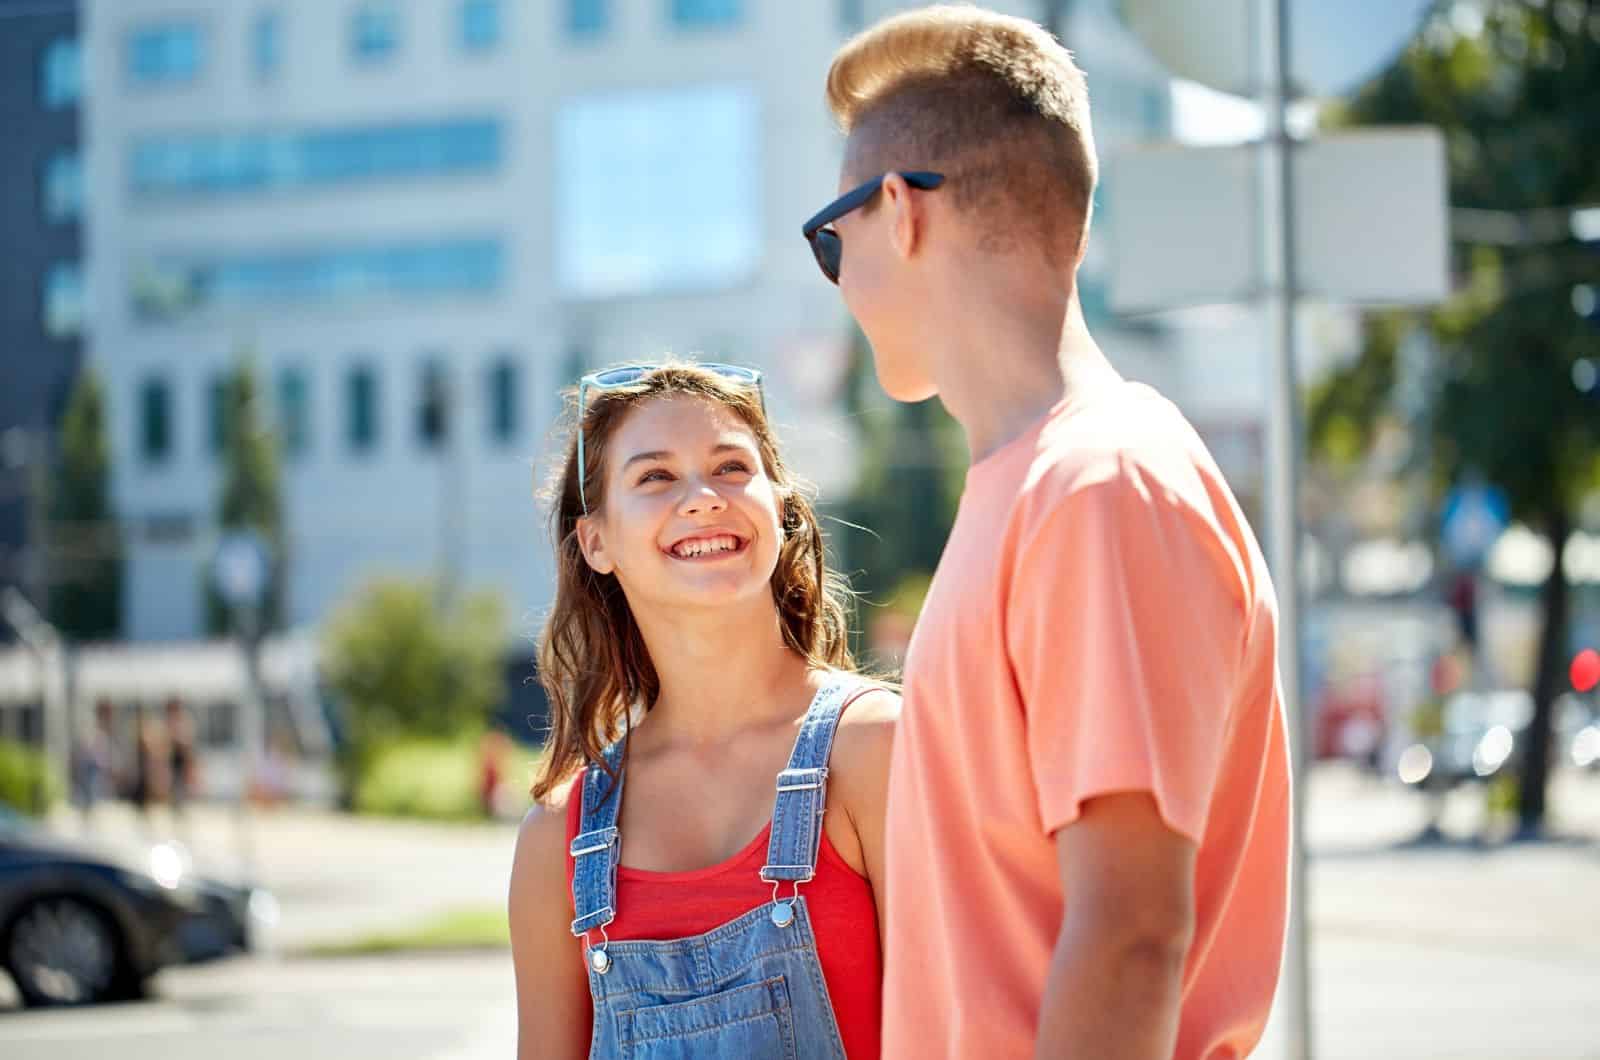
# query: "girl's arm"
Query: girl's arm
{"points": [[554, 1015]]}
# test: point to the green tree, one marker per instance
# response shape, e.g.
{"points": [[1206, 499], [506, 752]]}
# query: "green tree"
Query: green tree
{"points": [[1512, 84], [85, 599], [251, 496], [402, 669], [904, 502]]}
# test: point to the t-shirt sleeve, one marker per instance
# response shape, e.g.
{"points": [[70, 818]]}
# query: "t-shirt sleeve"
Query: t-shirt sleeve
{"points": [[1125, 631]]}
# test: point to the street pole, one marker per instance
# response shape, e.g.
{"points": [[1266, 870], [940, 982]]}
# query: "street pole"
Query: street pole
{"points": [[1282, 473], [251, 736]]}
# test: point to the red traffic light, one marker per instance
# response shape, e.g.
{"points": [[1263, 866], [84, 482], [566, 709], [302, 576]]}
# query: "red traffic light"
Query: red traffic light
{"points": [[1586, 670]]}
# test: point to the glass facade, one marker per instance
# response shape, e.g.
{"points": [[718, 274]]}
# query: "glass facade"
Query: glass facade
{"points": [[61, 73], [480, 25], [63, 187], [172, 288], [63, 308], [217, 414], [698, 14], [588, 18], [165, 54], [375, 31], [252, 162], [658, 191]]}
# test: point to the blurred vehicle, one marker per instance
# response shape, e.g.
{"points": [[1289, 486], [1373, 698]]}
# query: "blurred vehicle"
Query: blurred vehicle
{"points": [[1480, 735], [1351, 721], [80, 925], [1578, 731]]}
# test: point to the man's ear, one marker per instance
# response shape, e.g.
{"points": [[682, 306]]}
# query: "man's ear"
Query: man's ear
{"points": [[591, 541], [906, 215]]}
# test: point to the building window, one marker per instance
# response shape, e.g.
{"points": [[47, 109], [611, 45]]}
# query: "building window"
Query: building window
{"points": [[433, 405], [217, 414], [251, 162], [165, 54], [61, 73], [588, 18], [266, 44], [375, 31], [155, 421], [636, 171], [503, 404], [361, 409], [172, 288], [294, 412], [480, 25], [63, 187], [702, 14], [63, 301]]}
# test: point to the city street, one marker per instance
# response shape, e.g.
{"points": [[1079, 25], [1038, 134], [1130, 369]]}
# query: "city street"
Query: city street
{"points": [[1447, 950]]}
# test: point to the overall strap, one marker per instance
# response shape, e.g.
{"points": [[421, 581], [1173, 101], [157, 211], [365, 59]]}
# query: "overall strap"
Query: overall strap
{"points": [[802, 787], [597, 848]]}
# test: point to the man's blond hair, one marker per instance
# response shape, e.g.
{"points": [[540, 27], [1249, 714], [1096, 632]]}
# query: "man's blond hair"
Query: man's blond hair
{"points": [[994, 102]]}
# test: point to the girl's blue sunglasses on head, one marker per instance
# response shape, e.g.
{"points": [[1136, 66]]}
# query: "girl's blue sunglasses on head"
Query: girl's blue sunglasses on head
{"points": [[629, 374]]}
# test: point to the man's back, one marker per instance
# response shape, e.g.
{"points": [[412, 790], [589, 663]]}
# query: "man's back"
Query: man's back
{"points": [[1101, 622]]}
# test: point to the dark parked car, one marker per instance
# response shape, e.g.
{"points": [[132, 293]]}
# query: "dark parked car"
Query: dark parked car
{"points": [[80, 925]]}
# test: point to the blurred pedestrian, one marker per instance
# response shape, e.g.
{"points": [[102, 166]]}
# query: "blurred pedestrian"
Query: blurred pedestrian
{"points": [[150, 770], [696, 645], [95, 773], [182, 758], [1088, 844]]}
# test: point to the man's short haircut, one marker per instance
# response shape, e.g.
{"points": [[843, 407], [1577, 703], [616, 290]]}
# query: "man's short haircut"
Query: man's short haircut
{"points": [[994, 102]]}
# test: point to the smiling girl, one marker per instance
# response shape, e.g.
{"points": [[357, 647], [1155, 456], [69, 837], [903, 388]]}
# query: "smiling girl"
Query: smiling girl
{"points": [[701, 878]]}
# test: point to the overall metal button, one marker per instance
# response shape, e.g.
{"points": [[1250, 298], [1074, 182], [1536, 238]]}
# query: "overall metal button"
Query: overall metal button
{"points": [[783, 913], [600, 961]]}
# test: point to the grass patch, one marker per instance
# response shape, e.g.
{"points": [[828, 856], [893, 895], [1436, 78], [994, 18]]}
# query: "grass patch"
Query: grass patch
{"points": [[459, 929]]}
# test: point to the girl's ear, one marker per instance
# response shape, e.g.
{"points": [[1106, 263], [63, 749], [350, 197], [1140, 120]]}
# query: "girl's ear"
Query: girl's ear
{"points": [[591, 541]]}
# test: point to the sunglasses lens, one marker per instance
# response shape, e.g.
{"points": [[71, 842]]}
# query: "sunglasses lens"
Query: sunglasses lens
{"points": [[620, 376], [829, 251], [734, 372]]}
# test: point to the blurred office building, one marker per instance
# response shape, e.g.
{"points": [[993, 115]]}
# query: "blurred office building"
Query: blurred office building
{"points": [[421, 219]]}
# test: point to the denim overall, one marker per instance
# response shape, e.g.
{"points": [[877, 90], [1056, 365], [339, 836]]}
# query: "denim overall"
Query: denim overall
{"points": [[750, 989]]}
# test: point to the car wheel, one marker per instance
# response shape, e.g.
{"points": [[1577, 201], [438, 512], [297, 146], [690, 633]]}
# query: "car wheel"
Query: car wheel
{"points": [[63, 951]]}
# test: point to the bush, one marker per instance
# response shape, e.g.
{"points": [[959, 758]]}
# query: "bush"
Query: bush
{"points": [[434, 779], [28, 781], [405, 670]]}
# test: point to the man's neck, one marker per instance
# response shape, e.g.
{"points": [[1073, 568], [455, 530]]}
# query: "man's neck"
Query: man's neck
{"points": [[1010, 361]]}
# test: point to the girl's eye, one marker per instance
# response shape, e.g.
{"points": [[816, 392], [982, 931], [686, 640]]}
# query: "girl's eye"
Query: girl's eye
{"points": [[734, 467], [654, 475]]}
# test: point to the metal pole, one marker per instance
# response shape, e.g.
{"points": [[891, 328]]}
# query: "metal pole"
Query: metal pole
{"points": [[1282, 473]]}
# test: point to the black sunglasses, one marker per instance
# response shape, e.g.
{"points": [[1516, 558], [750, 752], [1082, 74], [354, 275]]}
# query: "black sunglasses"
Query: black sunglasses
{"points": [[826, 246]]}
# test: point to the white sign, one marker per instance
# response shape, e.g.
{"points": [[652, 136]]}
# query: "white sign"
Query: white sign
{"points": [[1371, 222], [241, 568]]}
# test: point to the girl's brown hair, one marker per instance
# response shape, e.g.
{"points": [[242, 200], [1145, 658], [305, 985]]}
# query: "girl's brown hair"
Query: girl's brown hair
{"points": [[592, 659]]}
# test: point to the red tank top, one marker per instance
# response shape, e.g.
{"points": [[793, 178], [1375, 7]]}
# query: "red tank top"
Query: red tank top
{"points": [[672, 905]]}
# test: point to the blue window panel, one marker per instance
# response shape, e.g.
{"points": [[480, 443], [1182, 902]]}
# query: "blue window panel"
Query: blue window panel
{"points": [[172, 289], [636, 171], [155, 420], [375, 31], [588, 18], [266, 43], [294, 412], [503, 385], [164, 54], [480, 25], [217, 414], [63, 187], [61, 74], [229, 163], [63, 309], [699, 14], [361, 409]]}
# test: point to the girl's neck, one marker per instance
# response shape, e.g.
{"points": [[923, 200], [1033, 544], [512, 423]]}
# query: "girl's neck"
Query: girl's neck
{"points": [[721, 672]]}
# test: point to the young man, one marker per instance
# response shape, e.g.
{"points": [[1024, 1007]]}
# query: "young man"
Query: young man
{"points": [[1089, 802]]}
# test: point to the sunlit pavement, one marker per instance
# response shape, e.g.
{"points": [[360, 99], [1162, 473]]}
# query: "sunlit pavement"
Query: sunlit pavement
{"points": [[457, 1007], [1441, 950]]}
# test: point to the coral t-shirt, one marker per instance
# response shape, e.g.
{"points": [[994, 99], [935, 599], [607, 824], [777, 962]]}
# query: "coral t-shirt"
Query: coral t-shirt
{"points": [[1101, 621]]}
